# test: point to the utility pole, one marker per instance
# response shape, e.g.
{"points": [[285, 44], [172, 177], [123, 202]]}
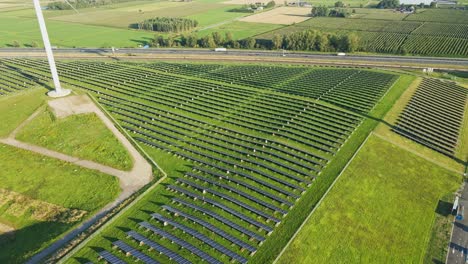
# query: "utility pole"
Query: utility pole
{"points": [[58, 92]]}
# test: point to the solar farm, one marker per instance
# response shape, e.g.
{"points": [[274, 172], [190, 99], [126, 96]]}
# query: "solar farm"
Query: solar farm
{"points": [[434, 116], [248, 149]]}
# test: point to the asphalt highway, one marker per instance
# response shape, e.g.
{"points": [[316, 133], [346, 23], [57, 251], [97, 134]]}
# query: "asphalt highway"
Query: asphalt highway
{"points": [[421, 61]]}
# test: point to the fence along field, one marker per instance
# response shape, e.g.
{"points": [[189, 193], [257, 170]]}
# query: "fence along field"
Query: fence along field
{"points": [[434, 116], [237, 155], [417, 34]]}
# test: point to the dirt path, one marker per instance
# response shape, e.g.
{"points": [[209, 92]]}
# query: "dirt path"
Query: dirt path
{"points": [[130, 181]]}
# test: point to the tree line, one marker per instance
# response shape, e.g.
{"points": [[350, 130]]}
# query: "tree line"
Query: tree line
{"points": [[315, 40], [167, 24], [62, 5], [323, 11], [308, 40]]}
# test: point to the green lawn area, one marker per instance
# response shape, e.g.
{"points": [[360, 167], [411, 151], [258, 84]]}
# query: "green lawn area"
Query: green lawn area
{"points": [[83, 136], [381, 210], [46, 180], [25, 30], [14, 109]]}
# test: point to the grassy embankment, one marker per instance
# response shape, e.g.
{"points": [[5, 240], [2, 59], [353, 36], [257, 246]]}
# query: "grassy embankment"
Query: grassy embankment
{"points": [[380, 211]]}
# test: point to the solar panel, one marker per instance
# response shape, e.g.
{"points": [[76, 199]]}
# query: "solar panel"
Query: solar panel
{"points": [[182, 243], [107, 256], [271, 186], [163, 250], [246, 185], [212, 228], [241, 193], [200, 237], [134, 252], [221, 219], [232, 200], [223, 207], [292, 186]]}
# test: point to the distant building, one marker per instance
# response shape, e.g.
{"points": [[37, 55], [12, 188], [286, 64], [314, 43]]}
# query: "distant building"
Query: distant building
{"points": [[445, 2], [416, 2], [427, 2]]}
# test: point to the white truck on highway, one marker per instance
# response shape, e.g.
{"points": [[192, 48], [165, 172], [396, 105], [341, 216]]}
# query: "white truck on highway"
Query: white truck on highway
{"points": [[341, 54], [220, 50]]}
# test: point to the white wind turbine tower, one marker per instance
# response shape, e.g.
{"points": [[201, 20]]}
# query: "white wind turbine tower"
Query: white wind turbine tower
{"points": [[59, 91]]}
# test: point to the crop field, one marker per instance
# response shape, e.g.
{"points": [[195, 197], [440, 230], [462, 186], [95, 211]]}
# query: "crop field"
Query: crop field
{"points": [[125, 16], [357, 223], [434, 116], [280, 15], [441, 15], [372, 13], [417, 36], [241, 157]]}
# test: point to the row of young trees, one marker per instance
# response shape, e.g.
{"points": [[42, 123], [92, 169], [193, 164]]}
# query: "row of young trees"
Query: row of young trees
{"points": [[309, 40], [213, 40], [167, 24]]}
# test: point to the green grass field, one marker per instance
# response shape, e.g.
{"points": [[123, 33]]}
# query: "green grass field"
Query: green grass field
{"points": [[375, 213], [17, 108], [83, 136], [25, 30], [60, 185], [107, 26]]}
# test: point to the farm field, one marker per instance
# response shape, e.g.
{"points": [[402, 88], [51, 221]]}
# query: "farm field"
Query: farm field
{"points": [[123, 17], [280, 15], [356, 222], [82, 136], [391, 33], [64, 34], [191, 134], [42, 198]]}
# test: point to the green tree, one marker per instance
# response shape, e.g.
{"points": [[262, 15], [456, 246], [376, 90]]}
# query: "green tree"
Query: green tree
{"points": [[353, 42], [270, 4], [277, 41], [320, 11], [388, 4], [207, 42], [191, 41], [229, 40], [34, 44], [169, 41], [218, 38], [16, 44], [322, 42], [250, 43], [339, 4]]}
